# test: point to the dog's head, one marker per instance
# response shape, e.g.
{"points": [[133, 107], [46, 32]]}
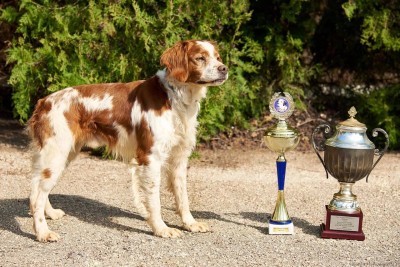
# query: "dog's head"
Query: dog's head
{"points": [[196, 62]]}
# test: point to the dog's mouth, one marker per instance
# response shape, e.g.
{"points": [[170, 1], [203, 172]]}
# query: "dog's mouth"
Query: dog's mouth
{"points": [[217, 81]]}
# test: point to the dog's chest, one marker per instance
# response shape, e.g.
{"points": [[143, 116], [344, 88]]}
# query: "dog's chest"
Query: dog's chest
{"points": [[175, 128]]}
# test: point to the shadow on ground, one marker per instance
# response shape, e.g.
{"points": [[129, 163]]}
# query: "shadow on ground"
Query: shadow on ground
{"points": [[13, 133], [307, 227], [87, 210], [97, 213]]}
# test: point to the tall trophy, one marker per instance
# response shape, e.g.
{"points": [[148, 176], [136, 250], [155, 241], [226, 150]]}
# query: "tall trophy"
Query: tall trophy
{"points": [[279, 139], [348, 157]]}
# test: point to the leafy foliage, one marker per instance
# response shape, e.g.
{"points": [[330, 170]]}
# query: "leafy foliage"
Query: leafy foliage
{"points": [[75, 42], [381, 109], [276, 45], [380, 22]]}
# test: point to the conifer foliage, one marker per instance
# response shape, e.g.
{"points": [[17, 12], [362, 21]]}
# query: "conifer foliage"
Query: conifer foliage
{"points": [[66, 43], [274, 45]]}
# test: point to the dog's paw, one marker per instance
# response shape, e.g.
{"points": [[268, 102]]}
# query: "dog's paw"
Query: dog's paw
{"points": [[168, 232], [48, 236], [197, 227], [55, 214]]}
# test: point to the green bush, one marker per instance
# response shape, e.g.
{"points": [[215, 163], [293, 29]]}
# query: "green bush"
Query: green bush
{"points": [[276, 45], [64, 43], [380, 22], [381, 109]]}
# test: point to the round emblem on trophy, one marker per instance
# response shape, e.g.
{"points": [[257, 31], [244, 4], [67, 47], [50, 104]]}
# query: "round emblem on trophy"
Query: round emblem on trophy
{"points": [[281, 105]]}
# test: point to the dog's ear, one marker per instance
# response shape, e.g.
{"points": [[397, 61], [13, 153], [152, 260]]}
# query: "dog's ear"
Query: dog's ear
{"points": [[176, 61]]}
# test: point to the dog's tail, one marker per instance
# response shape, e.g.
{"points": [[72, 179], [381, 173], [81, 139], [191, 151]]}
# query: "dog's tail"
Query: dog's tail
{"points": [[39, 128]]}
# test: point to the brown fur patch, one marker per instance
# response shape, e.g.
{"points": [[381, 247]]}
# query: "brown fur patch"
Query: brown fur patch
{"points": [[39, 124], [121, 111], [99, 124], [86, 124], [46, 173], [151, 96], [176, 60], [145, 142]]}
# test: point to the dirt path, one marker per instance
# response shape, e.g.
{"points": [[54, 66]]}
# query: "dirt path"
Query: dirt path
{"points": [[234, 191]]}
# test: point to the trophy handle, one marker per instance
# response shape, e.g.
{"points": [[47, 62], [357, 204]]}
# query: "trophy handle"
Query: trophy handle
{"points": [[320, 146], [378, 152]]}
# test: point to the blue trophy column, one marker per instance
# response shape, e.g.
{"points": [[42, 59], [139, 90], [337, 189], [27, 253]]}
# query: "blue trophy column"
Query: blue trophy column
{"points": [[281, 170], [280, 217]]}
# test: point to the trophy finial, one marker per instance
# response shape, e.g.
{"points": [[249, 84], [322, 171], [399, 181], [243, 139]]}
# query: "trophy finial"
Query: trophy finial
{"points": [[352, 122], [352, 112]]}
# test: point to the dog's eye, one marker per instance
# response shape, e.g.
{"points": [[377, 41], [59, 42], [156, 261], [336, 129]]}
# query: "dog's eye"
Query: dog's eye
{"points": [[200, 58], [218, 58]]}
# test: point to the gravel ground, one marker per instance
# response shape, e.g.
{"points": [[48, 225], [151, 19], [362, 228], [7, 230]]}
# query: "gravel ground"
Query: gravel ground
{"points": [[234, 191]]}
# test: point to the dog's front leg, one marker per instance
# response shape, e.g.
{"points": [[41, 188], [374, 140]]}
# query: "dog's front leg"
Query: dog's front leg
{"points": [[150, 179], [177, 174]]}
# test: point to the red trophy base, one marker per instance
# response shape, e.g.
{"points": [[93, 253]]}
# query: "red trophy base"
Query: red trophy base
{"points": [[343, 225]]}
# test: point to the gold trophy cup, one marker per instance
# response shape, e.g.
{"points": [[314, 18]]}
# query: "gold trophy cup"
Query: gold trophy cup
{"points": [[348, 157], [280, 139]]}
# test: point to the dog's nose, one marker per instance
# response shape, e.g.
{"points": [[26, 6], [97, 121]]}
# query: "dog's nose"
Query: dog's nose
{"points": [[223, 69]]}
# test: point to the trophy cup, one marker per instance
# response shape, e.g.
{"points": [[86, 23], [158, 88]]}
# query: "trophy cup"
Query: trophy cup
{"points": [[279, 139], [348, 157]]}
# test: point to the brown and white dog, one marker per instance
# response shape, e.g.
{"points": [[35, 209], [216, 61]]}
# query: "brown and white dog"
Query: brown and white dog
{"points": [[150, 124]]}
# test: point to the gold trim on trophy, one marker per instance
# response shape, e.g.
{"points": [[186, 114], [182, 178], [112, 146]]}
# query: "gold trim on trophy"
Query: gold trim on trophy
{"points": [[280, 139]]}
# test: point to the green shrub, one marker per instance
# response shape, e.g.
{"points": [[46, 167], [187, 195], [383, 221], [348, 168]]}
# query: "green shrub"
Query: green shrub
{"points": [[380, 22], [76, 42], [276, 45], [381, 109]]}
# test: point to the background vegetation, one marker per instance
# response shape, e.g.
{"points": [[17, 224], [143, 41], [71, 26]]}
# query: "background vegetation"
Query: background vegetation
{"points": [[328, 54]]}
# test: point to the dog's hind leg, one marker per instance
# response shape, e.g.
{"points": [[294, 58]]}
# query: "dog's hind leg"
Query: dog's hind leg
{"points": [[48, 166], [38, 173], [49, 211], [36, 177]]}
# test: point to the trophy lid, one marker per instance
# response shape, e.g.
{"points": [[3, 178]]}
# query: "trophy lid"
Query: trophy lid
{"points": [[352, 122], [351, 134]]}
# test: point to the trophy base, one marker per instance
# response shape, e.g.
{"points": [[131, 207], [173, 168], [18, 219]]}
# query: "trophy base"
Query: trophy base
{"points": [[343, 225], [280, 228], [341, 234]]}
